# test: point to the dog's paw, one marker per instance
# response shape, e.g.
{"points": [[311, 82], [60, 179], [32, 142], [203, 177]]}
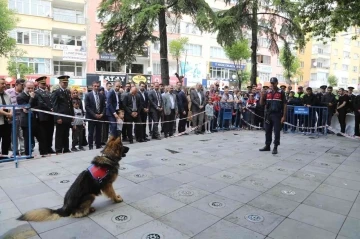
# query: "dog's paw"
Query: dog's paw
{"points": [[92, 209], [118, 199]]}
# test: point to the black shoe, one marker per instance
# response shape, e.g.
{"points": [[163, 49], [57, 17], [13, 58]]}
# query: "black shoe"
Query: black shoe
{"points": [[339, 134], [51, 151], [158, 138], [131, 141], [74, 149], [98, 147], [266, 148], [146, 139], [140, 141], [82, 148], [91, 147], [66, 151], [275, 151]]}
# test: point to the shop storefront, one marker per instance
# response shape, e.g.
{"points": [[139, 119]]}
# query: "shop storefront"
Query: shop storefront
{"points": [[10, 81], [137, 78], [104, 78], [173, 80]]}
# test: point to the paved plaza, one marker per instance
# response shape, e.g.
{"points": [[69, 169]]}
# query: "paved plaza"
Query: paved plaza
{"points": [[216, 186]]}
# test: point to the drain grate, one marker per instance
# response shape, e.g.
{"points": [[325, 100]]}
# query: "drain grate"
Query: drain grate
{"points": [[227, 176], [148, 155], [182, 164], [204, 140], [121, 218], [64, 181], [309, 175], [253, 182], [288, 192], [140, 175], [254, 218], [164, 159], [217, 205], [282, 169], [324, 164], [153, 235], [173, 151], [53, 174], [186, 193]]}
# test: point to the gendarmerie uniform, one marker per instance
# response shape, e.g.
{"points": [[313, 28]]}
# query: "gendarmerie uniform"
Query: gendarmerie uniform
{"points": [[61, 102], [46, 121]]}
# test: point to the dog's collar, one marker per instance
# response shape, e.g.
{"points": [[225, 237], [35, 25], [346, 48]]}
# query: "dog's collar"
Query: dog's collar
{"points": [[98, 172]]}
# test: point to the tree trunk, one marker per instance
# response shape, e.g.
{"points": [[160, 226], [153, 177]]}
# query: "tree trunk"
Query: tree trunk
{"points": [[177, 66], [164, 63], [254, 43]]}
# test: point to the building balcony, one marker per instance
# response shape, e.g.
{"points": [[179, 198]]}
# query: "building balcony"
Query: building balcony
{"points": [[76, 2], [76, 19], [31, 22]]}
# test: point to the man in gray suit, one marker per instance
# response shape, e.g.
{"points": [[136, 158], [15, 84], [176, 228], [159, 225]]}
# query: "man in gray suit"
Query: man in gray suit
{"points": [[197, 105], [170, 110]]}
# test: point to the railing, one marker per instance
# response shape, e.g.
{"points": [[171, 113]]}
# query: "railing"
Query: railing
{"points": [[68, 18]]}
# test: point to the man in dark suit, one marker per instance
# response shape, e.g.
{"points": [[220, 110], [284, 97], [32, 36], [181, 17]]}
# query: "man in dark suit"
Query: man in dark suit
{"points": [[155, 108], [183, 107], [132, 109], [28, 96], [61, 103], [197, 105], [95, 108], [46, 121], [144, 101], [113, 104]]}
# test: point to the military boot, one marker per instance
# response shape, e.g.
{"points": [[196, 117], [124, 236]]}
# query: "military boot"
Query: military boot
{"points": [[266, 148]]}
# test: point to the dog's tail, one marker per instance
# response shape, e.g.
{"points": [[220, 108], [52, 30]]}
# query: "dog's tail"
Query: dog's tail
{"points": [[43, 214]]}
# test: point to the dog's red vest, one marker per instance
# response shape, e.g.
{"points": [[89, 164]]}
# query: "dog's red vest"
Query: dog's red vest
{"points": [[97, 172]]}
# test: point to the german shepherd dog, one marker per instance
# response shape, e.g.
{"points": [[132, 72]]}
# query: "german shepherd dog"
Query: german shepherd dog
{"points": [[89, 184]]}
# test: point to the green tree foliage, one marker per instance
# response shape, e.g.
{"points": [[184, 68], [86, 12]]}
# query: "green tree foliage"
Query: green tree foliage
{"points": [[290, 62], [277, 20], [14, 67], [8, 22], [322, 19], [176, 48], [237, 52], [129, 24], [332, 80]]}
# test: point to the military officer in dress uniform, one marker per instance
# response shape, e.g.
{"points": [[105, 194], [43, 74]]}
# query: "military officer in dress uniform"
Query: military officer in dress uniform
{"points": [[275, 106], [46, 121], [61, 102]]}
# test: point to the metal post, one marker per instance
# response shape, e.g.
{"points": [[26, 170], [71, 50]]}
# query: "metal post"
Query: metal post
{"points": [[14, 136], [29, 126]]}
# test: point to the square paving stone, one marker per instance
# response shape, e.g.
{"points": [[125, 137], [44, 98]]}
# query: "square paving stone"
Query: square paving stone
{"points": [[162, 170], [18, 181], [258, 184], [189, 220], [255, 219], [143, 164], [120, 220], [203, 170], [272, 176], [288, 192], [312, 176], [8, 210], [139, 176], [332, 191], [186, 194], [237, 193], [208, 184], [153, 230], [134, 193], [217, 205], [318, 217], [50, 199], [329, 203], [53, 174], [157, 205], [83, 229], [355, 211], [3, 196], [127, 168], [351, 228], [274, 204], [291, 229], [121, 182], [103, 204], [222, 164], [343, 183], [244, 172], [227, 230], [227, 177], [160, 184], [301, 183], [349, 169], [184, 176], [13, 228], [61, 182], [13, 172], [347, 175]]}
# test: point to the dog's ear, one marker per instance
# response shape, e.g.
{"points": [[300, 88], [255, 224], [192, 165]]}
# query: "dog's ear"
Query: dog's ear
{"points": [[118, 140], [111, 138]]}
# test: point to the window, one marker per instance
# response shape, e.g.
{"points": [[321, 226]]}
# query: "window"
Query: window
{"points": [[358, 43], [278, 63], [31, 7], [345, 67], [193, 50], [108, 66], [217, 52], [264, 59], [31, 36], [189, 28], [301, 78], [320, 51], [135, 68], [353, 81], [302, 64], [263, 42], [69, 40], [346, 54], [65, 15], [280, 78], [355, 69], [221, 73], [335, 52], [335, 66], [347, 41], [302, 51], [156, 47], [356, 56], [39, 65], [265, 77], [344, 80], [156, 68], [65, 67], [97, 40]]}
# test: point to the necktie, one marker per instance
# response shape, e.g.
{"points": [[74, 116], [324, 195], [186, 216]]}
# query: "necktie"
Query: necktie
{"points": [[158, 97], [97, 103], [134, 104]]}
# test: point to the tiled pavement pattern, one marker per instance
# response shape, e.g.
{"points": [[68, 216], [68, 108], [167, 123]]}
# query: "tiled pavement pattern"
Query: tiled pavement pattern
{"points": [[215, 186]]}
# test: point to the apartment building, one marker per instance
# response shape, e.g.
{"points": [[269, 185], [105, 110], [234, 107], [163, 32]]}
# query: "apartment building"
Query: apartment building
{"points": [[340, 58]]}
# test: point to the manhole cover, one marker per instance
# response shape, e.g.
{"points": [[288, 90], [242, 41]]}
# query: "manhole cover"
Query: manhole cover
{"points": [[140, 175], [256, 165], [288, 192], [121, 218], [281, 169], [164, 159], [195, 152], [64, 181], [153, 235], [220, 146], [256, 183], [336, 155], [53, 174], [57, 162], [298, 159], [254, 218], [182, 164], [309, 175], [186, 193], [122, 168], [226, 176], [172, 151], [325, 164], [148, 154], [217, 204]]}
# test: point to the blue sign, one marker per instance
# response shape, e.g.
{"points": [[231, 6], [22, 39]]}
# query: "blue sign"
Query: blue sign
{"points": [[226, 65], [301, 110]]}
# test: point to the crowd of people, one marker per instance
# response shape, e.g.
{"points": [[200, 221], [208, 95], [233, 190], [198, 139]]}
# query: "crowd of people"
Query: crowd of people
{"points": [[134, 112]]}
